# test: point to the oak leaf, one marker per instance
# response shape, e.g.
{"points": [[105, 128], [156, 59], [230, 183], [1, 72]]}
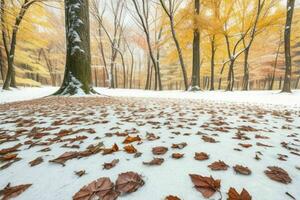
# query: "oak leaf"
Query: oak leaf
{"points": [[130, 149], [171, 197], [36, 161], [179, 145], [111, 164], [201, 156], [242, 170], [177, 155], [130, 139], [159, 150], [11, 192], [155, 161], [218, 165], [65, 157]]}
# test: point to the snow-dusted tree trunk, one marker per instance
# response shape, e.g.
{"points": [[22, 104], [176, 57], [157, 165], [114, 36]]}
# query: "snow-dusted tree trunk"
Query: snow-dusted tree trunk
{"points": [[287, 46], [77, 78]]}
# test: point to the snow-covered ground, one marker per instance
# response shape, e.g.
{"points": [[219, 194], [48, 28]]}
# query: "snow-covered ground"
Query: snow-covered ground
{"points": [[168, 115], [253, 97]]}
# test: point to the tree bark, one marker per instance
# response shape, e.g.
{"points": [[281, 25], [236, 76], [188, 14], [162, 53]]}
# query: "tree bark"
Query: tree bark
{"points": [[77, 78], [195, 86], [212, 64], [287, 47]]}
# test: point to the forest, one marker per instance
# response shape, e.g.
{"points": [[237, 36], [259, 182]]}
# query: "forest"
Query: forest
{"points": [[150, 99]]}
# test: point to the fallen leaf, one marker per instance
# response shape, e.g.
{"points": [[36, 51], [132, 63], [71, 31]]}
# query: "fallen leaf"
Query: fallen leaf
{"points": [[206, 185], [218, 165], [155, 161], [80, 173], [11, 192], [111, 150], [65, 157], [234, 195], [10, 150], [242, 170], [159, 150], [130, 149], [177, 155], [130, 139], [8, 157], [129, 182], [36, 161], [245, 145], [179, 146], [278, 174], [201, 156], [102, 188], [171, 197], [208, 139], [111, 164]]}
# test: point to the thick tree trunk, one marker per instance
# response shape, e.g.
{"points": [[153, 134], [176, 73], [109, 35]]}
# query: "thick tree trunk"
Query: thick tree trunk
{"points": [[287, 47], [77, 78], [195, 86]]}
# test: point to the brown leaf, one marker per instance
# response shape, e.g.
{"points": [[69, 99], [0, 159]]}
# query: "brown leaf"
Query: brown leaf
{"points": [[201, 156], [129, 182], [218, 165], [171, 197], [155, 161], [36, 161], [80, 173], [208, 139], [130, 139], [177, 155], [263, 145], [10, 150], [102, 188], [111, 150], [130, 149], [8, 157], [159, 150], [278, 174], [65, 157], [245, 145], [206, 185], [234, 195], [179, 146], [11, 192], [152, 137], [111, 164], [242, 170]]}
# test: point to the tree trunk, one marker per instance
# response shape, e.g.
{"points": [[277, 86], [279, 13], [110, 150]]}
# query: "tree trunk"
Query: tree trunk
{"points": [[287, 47], [212, 64], [246, 70], [77, 78], [195, 86], [1, 65]]}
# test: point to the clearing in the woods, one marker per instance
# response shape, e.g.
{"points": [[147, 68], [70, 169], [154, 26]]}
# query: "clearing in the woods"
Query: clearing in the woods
{"points": [[60, 144]]}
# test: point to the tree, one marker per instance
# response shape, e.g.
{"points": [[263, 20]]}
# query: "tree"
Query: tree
{"points": [[142, 10], [77, 78], [195, 82], [170, 11], [10, 79], [287, 46]]}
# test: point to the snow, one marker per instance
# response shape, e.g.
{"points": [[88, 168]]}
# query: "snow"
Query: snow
{"points": [[267, 98], [52, 181]]}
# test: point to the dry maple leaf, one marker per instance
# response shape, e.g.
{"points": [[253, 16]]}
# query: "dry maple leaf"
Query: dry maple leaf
{"points": [[8, 157], [278, 174], [179, 145], [11, 192], [242, 170], [36, 161], [177, 155], [111, 164], [65, 157], [129, 182], [102, 188], [130, 139], [171, 197], [159, 150], [245, 145], [208, 139], [111, 150], [10, 150], [155, 161], [206, 185], [201, 156], [234, 195], [130, 149], [218, 165]]}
